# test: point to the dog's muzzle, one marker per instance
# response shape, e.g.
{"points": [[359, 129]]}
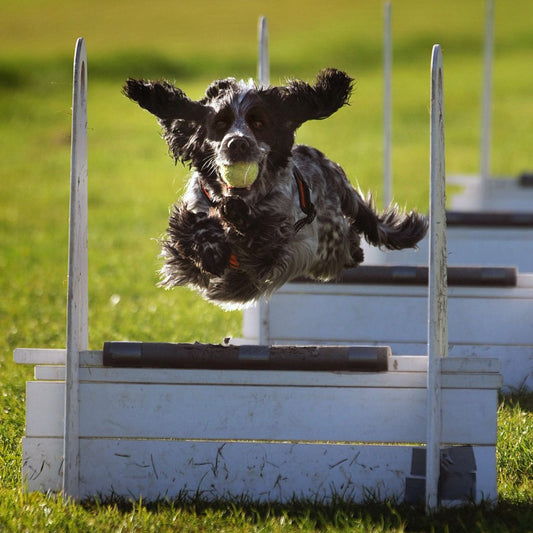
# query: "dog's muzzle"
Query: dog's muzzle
{"points": [[238, 149]]}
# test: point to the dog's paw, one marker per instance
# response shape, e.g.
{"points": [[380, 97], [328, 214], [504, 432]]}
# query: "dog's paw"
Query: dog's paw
{"points": [[201, 239], [237, 213], [213, 257], [209, 247]]}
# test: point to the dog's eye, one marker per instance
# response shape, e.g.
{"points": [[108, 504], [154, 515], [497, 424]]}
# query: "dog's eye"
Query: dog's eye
{"points": [[256, 123], [221, 124], [222, 121]]}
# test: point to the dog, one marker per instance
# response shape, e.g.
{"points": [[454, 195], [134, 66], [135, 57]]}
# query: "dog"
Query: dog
{"points": [[259, 210]]}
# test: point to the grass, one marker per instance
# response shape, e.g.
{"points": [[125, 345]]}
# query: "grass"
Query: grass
{"points": [[132, 184]]}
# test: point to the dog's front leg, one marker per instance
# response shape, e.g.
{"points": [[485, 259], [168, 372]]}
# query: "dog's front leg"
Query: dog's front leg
{"points": [[200, 238], [237, 213]]}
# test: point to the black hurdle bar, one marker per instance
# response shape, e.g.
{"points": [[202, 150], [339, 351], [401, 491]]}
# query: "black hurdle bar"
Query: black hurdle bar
{"points": [[466, 276], [246, 357], [490, 219], [526, 179]]}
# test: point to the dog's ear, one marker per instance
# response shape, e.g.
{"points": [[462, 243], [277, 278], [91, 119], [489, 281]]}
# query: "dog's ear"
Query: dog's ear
{"points": [[301, 102], [164, 100]]}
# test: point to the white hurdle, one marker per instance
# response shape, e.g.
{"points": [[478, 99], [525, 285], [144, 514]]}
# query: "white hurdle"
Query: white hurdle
{"points": [[263, 78], [267, 427], [387, 105], [77, 300], [485, 192], [491, 300], [438, 286], [263, 65]]}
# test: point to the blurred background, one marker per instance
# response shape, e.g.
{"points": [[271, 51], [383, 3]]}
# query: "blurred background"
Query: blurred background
{"points": [[133, 181]]}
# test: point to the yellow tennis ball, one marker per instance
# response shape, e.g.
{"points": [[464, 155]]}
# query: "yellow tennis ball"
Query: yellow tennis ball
{"points": [[239, 175]]}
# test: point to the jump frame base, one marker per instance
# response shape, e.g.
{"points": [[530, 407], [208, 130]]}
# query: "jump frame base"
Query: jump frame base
{"points": [[267, 436]]}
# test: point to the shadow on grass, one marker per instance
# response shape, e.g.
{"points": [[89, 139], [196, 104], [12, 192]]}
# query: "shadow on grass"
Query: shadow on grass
{"points": [[340, 515], [520, 398]]}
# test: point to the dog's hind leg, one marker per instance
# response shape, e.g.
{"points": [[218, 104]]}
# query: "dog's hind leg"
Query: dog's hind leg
{"points": [[356, 252]]}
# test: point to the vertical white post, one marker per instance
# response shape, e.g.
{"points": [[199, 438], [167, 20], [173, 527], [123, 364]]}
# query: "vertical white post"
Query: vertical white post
{"points": [[387, 100], [77, 300], [486, 116], [263, 74], [437, 298], [263, 70]]}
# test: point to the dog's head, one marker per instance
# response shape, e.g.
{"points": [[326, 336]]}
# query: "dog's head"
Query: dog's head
{"points": [[238, 130]]}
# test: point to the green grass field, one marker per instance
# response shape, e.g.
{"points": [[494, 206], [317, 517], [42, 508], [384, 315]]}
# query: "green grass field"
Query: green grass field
{"points": [[132, 183]]}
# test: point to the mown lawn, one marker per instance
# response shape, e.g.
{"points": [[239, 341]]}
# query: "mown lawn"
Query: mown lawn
{"points": [[133, 182]]}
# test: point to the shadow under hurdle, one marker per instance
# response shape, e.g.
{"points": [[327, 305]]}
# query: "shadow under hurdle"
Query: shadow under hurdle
{"points": [[262, 422]]}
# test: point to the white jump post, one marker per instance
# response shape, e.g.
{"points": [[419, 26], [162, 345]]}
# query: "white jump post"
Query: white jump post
{"points": [[486, 117], [387, 106], [77, 304], [437, 300], [263, 69], [263, 76]]}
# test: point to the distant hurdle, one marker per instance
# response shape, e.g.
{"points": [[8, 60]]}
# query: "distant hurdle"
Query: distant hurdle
{"points": [[261, 422], [484, 192], [490, 254]]}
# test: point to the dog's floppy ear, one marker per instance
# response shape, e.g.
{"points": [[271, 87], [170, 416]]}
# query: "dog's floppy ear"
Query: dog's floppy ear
{"points": [[164, 100], [301, 102]]}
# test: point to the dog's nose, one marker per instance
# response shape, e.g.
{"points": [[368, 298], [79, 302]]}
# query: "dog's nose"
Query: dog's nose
{"points": [[238, 147]]}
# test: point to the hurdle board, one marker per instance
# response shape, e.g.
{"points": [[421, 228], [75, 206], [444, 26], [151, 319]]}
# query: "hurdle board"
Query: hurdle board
{"points": [[490, 314], [269, 435], [492, 217], [494, 195], [498, 239], [424, 429], [488, 318], [484, 192]]}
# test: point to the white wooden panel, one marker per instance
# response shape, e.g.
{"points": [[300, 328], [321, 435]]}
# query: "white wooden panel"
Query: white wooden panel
{"points": [[147, 468], [45, 408], [263, 413], [487, 483], [352, 319], [42, 464], [49, 373], [481, 375], [261, 470], [43, 356], [467, 246], [500, 194], [382, 314]]}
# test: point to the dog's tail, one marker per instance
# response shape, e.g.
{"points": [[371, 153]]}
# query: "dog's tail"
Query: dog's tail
{"points": [[394, 229]]}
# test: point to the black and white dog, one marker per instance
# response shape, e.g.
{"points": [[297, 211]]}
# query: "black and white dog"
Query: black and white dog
{"points": [[259, 211]]}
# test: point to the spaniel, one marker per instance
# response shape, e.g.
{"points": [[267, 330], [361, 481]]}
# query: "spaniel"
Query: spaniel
{"points": [[259, 210]]}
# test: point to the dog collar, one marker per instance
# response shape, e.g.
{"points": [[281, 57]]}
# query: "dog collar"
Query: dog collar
{"points": [[306, 205], [304, 196]]}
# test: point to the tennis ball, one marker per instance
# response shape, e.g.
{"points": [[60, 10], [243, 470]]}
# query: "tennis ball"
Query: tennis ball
{"points": [[239, 175]]}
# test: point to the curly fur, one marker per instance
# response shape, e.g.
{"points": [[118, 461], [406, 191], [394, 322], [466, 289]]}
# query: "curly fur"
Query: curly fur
{"points": [[235, 245]]}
